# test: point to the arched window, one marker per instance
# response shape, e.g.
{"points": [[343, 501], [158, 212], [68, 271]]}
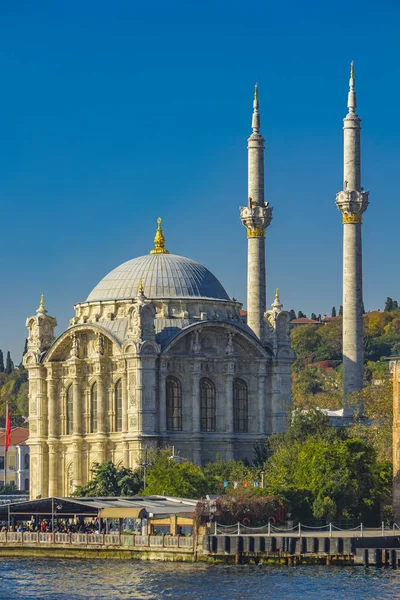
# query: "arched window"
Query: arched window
{"points": [[240, 406], [118, 406], [174, 404], [70, 410], [207, 405], [93, 408]]}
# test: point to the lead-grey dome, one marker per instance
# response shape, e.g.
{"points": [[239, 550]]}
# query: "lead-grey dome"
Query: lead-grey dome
{"points": [[163, 276]]}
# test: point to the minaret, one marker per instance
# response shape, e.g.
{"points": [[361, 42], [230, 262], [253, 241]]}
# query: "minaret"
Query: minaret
{"points": [[256, 217], [352, 202]]}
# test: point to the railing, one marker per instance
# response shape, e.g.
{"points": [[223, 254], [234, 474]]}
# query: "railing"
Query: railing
{"points": [[95, 538], [329, 530], [169, 542]]}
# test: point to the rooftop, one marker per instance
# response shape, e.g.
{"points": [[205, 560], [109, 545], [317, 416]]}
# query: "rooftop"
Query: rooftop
{"points": [[18, 436]]}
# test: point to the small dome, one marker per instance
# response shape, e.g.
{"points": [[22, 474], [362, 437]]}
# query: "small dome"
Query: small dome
{"points": [[163, 276]]}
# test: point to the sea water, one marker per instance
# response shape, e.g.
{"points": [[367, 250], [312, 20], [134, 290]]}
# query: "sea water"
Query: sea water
{"points": [[54, 579]]}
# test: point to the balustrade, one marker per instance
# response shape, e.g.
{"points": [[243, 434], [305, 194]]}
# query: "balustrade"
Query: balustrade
{"points": [[110, 539]]}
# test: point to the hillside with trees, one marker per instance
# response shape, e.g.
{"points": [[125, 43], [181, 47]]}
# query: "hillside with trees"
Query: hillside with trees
{"points": [[13, 390], [317, 371]]}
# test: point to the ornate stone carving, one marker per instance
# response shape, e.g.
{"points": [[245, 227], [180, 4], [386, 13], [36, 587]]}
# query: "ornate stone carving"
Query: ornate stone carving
{"points": [[256, 219], [352, 204]]}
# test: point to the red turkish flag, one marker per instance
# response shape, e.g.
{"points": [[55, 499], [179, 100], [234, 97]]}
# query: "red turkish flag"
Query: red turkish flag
{"points": [[8, 428]]}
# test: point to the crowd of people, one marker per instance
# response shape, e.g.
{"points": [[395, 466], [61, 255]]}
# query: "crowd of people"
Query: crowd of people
{"points": [[60, 526]]}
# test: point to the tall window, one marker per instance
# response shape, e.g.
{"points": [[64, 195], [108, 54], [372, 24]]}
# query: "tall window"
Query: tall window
{"points": [[240, 406], [93, 408], [174, 404], [118, 406], [207, 405], [70, 410]]}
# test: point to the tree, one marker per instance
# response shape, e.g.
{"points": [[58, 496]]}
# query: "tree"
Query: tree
{"points": [[301, 315], [336, 476], [9, 364], [108, 480], [395, 304], [319, 317], [388, 304], [182, 479], [340, 311], [313, 316], [305, 342], [25, 347], [333, 313], [374, 403], [292, 314], [1, 362]]}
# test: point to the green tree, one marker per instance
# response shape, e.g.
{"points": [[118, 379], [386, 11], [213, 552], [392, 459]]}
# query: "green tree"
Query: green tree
{"points": [[301, 315], [182, 479], [340, 311], [313, 316], [9, 364], [395, 304], [337, 476], [388, 304], [108, 480], [305, 342], [374, 404], [333, 313], [1, 362], [292, 314]]}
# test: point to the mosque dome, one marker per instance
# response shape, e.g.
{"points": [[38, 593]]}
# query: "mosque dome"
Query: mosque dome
{"points": [[163, 275]]}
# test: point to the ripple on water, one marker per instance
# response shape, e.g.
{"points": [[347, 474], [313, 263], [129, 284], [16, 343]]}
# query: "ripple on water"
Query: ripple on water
{"points": [[110, 579]]}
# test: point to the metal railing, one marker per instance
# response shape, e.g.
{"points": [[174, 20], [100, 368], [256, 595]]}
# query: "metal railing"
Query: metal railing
{"points": [[85, 539], [298, 530]]}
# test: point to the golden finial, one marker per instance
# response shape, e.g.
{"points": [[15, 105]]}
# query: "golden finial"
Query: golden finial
{"points": [[141, 288], [256, 92], [42, 301], [277, 294], [352, 69], [159, 241]]}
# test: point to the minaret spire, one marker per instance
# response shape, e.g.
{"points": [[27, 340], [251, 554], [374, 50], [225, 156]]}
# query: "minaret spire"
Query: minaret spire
{"points": [[256, 217], [352, 202], [351, 99], [255, 123]]}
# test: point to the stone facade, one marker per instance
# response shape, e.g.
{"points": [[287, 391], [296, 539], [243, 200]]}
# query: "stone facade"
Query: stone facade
{"points": [[158, 355], [352, 202]]}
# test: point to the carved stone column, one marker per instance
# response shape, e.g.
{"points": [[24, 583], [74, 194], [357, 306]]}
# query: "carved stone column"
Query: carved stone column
{"points": [[229, 428], [54, 468], [196, 444], [262, 398], [77, 401], [53, 427], [162, 396], [101, 405], [125, 448], [77, 476], [125, 405]]}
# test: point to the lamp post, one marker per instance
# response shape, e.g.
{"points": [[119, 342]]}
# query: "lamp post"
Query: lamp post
{"points": [[262, 479], [145, 464]]}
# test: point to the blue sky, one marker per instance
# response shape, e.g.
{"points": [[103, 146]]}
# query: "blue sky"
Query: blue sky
{"points": [[112, 114]]}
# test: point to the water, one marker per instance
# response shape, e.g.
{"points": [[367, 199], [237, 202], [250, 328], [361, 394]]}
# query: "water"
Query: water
{"points": [[109, 579]]}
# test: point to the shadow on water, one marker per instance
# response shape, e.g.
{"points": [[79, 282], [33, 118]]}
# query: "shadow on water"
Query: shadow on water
{"points": [[109, 579]]}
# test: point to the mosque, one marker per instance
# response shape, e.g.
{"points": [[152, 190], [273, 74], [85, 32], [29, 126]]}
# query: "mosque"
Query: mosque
{"points": [[159, 355]]}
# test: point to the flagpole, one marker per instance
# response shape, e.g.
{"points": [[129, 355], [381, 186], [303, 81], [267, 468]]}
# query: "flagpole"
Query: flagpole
{"points": [[5, 447]]}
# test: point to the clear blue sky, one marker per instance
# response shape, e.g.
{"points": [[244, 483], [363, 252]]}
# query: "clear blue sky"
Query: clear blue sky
{"points": [[113, 113]]}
